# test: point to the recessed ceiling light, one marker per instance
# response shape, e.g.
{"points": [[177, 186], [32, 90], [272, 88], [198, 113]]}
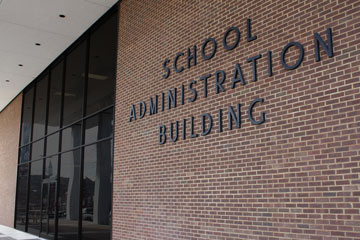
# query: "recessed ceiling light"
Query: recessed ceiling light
{"points": [[62, 15], [20, 65], [7, 80], [37, 44]]}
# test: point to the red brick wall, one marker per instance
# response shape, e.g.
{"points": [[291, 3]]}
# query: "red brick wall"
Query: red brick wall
{"points": [[296, 176], [9, 142]]}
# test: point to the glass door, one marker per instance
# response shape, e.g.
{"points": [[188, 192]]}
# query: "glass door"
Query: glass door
{"points": [[48, 209]]}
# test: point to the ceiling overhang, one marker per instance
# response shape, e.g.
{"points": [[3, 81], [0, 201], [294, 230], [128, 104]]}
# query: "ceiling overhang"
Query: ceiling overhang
{"points": [[33, 34]]}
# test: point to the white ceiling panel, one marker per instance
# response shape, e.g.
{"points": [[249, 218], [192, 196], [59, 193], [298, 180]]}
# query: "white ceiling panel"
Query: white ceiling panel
{"points": [[23, 23], [44, 14], [17, 81], [25, 39], [32, 66]]}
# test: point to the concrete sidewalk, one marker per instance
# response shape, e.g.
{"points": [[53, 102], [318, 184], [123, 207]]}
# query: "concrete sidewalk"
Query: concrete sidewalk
{"points": [[7, 233]]}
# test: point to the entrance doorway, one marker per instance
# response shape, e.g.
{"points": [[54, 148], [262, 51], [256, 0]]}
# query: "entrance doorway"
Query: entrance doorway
{"points": [[48, 208]]}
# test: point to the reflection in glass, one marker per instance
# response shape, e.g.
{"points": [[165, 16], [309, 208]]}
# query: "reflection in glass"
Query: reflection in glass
{"points": [[74, 84], [27, 116], [21, 196], [102, 68], [37, 150], [50, 181], [48, 208], [40, 108], [71, 137], [55, 98], [35, 196], [52, 144], [96, 203], [98, 127], [25, 154], [51, 167], [69, 195]]}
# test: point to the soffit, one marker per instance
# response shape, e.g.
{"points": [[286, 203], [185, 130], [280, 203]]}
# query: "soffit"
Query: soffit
{"points": [[23, 23]]}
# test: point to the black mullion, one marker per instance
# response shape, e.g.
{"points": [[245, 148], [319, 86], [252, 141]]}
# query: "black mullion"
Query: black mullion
{"points": [[45, 144], [47, 208], [46, 119], [83, 133], [30, 153], [59, 150], [41, 207]]}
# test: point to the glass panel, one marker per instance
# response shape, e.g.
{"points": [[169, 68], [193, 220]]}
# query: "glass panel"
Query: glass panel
{"points": [[48, 208], [35, 197], [69, 195], [96, 203], [99, 126], [51, 167], [102, 68], [40, 108], [25, 154], [71, 137], [52, 144], [52, 209], [27, 116], [44, 208], [21, 196], [55, 98], [74, 84], [37, 150]]}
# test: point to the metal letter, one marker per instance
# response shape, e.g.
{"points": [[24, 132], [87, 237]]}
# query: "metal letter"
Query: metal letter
{"points": [[301, 57], [253, 121]]}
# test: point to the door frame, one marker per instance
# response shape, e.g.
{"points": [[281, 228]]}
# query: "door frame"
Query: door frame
{"points": [[45, 232]]}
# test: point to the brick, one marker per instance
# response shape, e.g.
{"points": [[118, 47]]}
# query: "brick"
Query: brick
{"points": [[288, 178]]}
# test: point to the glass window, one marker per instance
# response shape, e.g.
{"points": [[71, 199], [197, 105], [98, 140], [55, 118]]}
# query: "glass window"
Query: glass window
{"points": [[49, 183], [74, 84], [51, 167], [25, 154], [37, 150], [52, 144], [102, 66], [55, 98], [69, 195], [23, 171], [99, 126], [96, 203], [71, 137], [40, 108], [34, 212], [27, 116]]}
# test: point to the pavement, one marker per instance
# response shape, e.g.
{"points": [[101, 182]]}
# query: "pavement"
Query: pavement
{"points": [[7, 233]]}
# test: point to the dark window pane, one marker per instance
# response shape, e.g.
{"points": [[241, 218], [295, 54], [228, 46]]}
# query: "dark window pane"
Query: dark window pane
{"points": [[37, 150], [102, 66], [51, 167], [27, 116], [96, 203], [25, 154], [69, 195], [36, 171], [99, 126], [52, 144], [55, 98], [74, 84], [40, 108], [21, 196], [71, 137]]}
